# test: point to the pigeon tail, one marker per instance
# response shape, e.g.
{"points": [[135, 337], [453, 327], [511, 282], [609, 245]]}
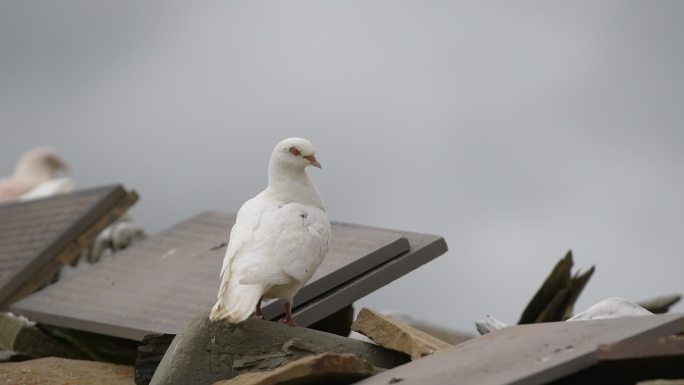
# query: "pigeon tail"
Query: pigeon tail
{"points": [[237, 302]]}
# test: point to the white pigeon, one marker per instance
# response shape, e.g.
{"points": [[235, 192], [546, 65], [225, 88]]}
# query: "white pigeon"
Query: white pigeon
{"points": [[279, 238], [34, 168]]}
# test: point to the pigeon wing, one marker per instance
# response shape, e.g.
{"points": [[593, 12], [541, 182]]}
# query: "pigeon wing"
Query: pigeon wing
{"points": [[246, 223], [303, 242]]}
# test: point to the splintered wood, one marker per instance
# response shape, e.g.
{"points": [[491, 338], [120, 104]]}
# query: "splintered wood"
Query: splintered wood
{"points": [[392, 334]]}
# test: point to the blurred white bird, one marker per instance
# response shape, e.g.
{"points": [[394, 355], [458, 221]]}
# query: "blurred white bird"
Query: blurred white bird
{"points": [[279, 238], [36, 167], [614, 307], [49, 188]]}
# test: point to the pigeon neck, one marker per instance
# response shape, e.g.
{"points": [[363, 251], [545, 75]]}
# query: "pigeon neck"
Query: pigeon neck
{"points": [[293, 185]]}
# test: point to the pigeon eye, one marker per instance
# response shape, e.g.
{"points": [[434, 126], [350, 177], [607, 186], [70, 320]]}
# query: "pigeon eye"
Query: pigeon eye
{"points": [[294, 151]]}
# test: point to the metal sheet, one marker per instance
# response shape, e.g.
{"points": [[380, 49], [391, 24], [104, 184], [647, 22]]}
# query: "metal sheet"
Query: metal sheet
{"points": [[38, 237], [527, 354], [159, 284]]}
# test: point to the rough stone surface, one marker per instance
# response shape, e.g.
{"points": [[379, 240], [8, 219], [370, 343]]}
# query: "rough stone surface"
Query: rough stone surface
{"points": [[393, 334], [326, 368], [60, 371], [206, 352]]}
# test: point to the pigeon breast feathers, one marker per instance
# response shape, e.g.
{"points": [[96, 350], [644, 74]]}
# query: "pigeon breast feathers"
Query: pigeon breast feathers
{"points": [[287, 243]]}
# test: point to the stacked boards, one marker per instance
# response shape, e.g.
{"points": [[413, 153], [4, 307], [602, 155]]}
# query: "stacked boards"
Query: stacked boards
{"points": [[159, 284]]}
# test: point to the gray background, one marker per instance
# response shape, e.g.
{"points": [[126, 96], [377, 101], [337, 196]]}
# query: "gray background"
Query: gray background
{"points": [[515, 129]]}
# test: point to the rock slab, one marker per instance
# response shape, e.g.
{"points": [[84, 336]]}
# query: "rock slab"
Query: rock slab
{"points": [[326, 368], [206, 352]]}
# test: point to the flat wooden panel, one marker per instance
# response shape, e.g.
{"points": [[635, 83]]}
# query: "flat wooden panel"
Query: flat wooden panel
{"points": [[423, 249], [527, 354], [159, 284], [35, 234]]}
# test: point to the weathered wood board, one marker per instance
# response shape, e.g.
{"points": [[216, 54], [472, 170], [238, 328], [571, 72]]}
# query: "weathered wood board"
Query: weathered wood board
{"points": [[527, 354], [38, 237], [159, 284]]}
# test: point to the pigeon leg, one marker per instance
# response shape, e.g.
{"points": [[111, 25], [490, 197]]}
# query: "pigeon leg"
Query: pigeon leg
{"points": [[258, 313], [288, 314]]}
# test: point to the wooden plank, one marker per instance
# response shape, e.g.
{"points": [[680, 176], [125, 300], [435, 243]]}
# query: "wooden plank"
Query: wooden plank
{"points": [[527, 354], [159, 284], [424, 248], [38, 237], [393, 334]]}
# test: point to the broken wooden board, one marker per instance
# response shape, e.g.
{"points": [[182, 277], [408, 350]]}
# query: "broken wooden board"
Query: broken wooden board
{"points": [[324, 368], [392, 334], [527, 354], [160, 283], [38, 237]]}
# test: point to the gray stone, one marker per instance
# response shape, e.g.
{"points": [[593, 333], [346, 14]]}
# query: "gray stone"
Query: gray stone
{"points": [[325, 368], [206, 352]]}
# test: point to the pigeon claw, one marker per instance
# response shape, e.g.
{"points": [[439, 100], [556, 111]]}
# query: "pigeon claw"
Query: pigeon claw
{"points": [[289, 322]]}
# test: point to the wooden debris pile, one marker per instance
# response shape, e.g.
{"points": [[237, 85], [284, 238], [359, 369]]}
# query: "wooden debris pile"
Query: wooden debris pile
{"points": [[113, 325]]}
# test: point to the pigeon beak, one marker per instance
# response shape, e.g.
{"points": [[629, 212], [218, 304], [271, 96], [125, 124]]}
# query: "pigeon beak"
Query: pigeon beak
{"points": [[312, 159]]}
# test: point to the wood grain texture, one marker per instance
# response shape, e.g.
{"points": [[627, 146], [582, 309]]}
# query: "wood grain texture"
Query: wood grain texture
{"points": [[38, 237], [393, 334]]}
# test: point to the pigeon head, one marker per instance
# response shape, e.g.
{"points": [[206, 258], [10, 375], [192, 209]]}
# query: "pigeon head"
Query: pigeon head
{"points": [[40, 163], [297, 153]]}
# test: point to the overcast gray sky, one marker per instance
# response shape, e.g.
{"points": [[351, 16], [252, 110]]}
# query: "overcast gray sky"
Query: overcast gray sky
{"points": [[516, 130]]}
